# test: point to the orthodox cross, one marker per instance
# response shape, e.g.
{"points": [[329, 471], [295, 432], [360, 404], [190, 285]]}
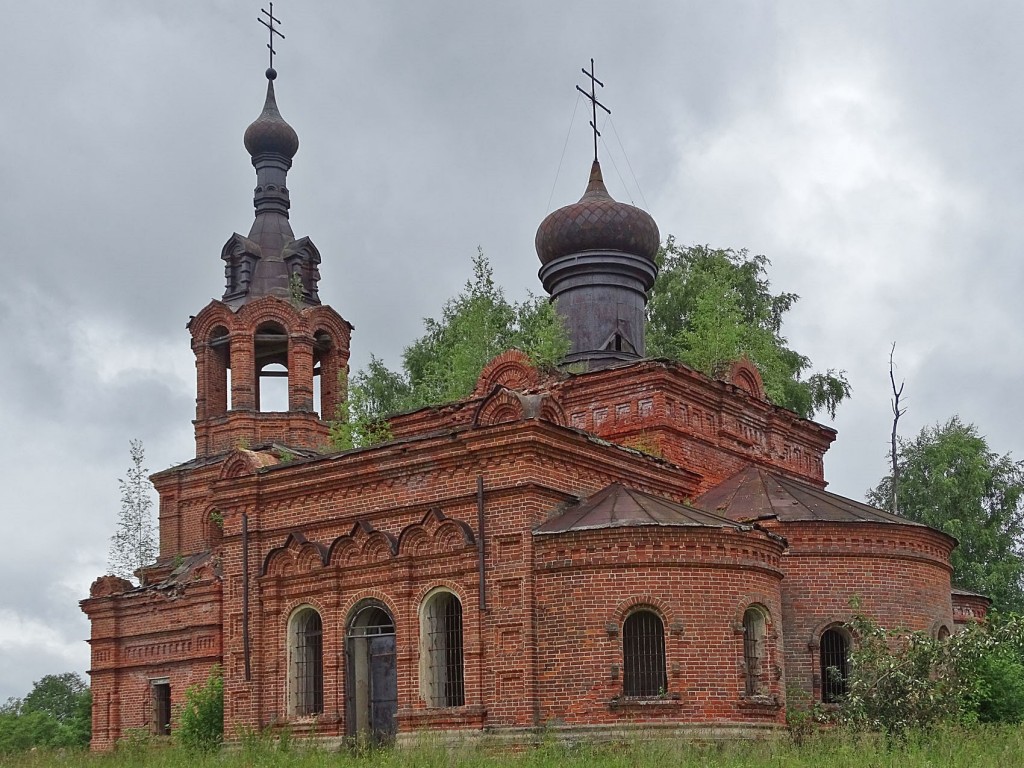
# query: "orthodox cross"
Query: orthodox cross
{"points": [[594, 103], [269, 24]]}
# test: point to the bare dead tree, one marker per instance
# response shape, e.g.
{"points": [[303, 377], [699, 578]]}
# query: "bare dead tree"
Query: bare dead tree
{"points": [[897, 411]]}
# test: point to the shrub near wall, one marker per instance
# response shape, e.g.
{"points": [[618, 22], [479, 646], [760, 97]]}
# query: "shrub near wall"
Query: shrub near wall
{"points": [[201, 719], [903, 680]]}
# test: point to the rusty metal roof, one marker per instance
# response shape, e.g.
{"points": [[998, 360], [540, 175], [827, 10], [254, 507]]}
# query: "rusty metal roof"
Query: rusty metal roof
{"points": [[617, 506], [754, 493]]}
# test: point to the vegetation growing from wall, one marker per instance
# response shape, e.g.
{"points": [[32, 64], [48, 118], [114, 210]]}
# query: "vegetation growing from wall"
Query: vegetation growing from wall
{"points": [[712, 306], [444, 364], [133, 544], [708, 308]]}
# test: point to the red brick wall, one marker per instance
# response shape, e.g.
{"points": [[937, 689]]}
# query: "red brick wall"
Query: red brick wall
{"points": [[141, 636], [896, 575], [700, 581]]}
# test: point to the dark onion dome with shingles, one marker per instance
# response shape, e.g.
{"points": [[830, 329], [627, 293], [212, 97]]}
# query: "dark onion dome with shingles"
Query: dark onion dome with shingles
{"points": [[269, 133], [597, 223]]}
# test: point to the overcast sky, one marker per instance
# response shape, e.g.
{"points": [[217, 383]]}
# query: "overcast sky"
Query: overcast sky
{"points": [[871, 150]]}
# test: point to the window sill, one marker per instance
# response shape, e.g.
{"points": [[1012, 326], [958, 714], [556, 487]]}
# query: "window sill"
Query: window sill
{"points": [[669, 701], [761, 701], [469, 715]]}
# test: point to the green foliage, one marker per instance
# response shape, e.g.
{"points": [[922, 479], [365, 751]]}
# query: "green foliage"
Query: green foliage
{"points": [[201, 718], [359, 421], [902, 680], [444, 364], [57, 712], [949, 747], [951, 480], [710, 307], [133, 544]]}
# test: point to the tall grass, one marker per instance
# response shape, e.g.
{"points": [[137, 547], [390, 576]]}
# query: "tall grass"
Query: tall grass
{"points": [[982, 747]]}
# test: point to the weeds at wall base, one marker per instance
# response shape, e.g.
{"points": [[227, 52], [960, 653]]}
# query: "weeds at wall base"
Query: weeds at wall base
{"points": [[950, 747]]}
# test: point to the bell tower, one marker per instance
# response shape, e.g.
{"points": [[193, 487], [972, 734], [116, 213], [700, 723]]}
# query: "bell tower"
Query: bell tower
{"points": [[269, 323]]}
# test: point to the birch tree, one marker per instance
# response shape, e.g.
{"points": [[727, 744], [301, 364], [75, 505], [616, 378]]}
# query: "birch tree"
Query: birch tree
{"points": [[133, 544]]}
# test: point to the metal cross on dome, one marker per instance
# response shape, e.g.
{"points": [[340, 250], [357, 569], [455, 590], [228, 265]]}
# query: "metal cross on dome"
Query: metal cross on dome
{"points": [[269, 24], [594, 103]]}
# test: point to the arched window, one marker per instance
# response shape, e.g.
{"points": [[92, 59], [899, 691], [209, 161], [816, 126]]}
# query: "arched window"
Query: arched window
{"points": [[305, 663], [643, 655], [441, 670], [835, 664], [754, 631]]}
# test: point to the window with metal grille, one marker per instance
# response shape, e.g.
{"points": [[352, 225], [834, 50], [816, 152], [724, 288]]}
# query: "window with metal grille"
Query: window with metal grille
{"points": [[160, 700], [834, 665], [643, 655], [306, 656], [754, 626], [441, 670]]}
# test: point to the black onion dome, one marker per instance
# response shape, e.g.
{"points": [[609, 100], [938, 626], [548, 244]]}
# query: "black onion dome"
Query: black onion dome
{"points": [[597, 223], [269, 133]]}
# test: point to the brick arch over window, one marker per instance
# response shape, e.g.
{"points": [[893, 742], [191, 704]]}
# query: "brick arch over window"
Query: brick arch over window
{"points": [[331, 337], [377, 596], [442, 664], [213, 522], [941, 629], [213, 314], [270, 309], [651, 602], [305, 662]]}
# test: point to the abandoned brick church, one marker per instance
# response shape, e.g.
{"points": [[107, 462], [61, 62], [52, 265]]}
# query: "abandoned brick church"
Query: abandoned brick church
{"points": [[632, 546]]}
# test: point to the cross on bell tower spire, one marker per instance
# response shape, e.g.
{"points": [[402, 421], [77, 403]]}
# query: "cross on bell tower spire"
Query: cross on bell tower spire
{"points": [[594, 103]]}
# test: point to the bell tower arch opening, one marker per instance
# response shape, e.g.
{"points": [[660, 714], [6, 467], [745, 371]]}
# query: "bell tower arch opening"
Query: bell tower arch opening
{"points": [[270, 350]]}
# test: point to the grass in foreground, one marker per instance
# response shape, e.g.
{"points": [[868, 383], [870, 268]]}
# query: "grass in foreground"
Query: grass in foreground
{"points": [[982, 747]]}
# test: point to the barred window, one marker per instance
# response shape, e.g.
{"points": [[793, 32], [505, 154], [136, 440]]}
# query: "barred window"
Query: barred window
{"points": [[441, 668], [754, 630], [835, 665], [306, 663], [643, 655]]}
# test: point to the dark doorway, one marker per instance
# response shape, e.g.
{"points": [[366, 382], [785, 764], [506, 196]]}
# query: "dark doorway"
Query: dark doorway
{"points": [[371, 689], [160, 701]]}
